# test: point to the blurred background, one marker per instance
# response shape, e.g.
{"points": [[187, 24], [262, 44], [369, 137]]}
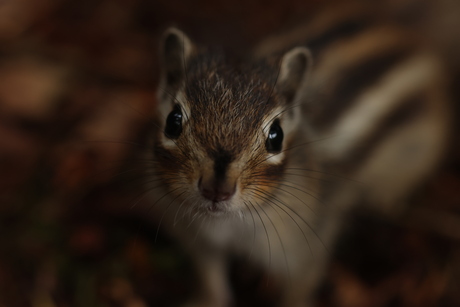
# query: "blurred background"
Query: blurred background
{"points": [[77, 86]]}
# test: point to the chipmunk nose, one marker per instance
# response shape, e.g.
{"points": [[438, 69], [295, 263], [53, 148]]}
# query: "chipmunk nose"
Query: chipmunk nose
{"points": [[216, 191]]}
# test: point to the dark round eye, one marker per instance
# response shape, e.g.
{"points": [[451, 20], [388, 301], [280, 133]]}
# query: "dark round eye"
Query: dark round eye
{"points": [[274, 142], [174, 123]]}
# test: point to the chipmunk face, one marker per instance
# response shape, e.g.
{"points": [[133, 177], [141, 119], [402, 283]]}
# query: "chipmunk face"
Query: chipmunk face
{"points": [[223, 130]]}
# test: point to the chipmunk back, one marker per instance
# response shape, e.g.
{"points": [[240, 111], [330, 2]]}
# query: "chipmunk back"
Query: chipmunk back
{"points": [[264, 158]]}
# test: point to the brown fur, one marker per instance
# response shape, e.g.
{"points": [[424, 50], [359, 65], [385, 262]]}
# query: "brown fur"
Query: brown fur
{"points": [[280, 213]]}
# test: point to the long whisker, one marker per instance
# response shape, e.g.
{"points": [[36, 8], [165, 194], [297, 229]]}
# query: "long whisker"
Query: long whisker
{"points": [[177, 212], [268, 198], [276, 186], [176, 100], [202, 216], [266, 234], [284, 110], [280, 240], [115, 141], [325, 173], [308, 177], [142, 195], [193, 218], [166, 210], [290, 148], [253, 230]]}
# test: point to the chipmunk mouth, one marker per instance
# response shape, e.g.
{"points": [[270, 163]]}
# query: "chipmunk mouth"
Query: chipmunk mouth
{"points": [[214, 208], [217, 208]]}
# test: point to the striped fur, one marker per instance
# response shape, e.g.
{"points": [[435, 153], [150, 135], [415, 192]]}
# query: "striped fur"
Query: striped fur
{"points": [[372, 109], [374, 88]]}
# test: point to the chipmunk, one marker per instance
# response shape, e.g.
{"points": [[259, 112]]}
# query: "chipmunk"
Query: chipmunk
{"points": [[265, 158]]}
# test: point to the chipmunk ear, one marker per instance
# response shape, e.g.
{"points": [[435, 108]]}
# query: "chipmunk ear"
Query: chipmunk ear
{"points": [[294, 69], [175, 52]]}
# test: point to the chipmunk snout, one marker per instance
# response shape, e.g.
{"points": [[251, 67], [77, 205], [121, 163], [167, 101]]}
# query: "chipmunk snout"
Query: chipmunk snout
{"points": [[216, 190]]}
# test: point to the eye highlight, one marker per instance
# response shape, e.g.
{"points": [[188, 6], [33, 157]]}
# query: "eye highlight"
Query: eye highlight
{"points": [[173, 127], [274, 142]]}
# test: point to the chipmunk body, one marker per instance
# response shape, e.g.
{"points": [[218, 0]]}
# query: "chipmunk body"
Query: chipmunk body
{"points": [[264, 159]]}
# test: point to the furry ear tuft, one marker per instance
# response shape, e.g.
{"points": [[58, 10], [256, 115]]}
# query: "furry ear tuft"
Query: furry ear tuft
{"points": [[175, 51], [295, 66]]}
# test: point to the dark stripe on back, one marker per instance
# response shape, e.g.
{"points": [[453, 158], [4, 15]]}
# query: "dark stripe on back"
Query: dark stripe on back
{"points": [[408, 109], [354, 81], [344, 29]]}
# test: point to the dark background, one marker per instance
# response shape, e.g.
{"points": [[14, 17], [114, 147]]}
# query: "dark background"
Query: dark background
{"points": [[77, 86]]}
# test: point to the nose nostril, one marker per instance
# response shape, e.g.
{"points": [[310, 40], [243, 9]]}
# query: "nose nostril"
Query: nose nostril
{"points": [[222, 196], [205, 191], [224, 193], [216, 192], [208, 194]]}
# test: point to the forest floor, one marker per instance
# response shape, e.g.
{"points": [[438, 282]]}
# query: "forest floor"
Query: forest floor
{"points": [[77, 85]]}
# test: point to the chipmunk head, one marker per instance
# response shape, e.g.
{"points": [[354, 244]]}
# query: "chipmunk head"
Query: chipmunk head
{"points": [[223, 128]]}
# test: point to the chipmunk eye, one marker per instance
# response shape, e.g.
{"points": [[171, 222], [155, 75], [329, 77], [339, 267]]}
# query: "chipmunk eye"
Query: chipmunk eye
{"points": [[275, 138], [174, 123]]}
